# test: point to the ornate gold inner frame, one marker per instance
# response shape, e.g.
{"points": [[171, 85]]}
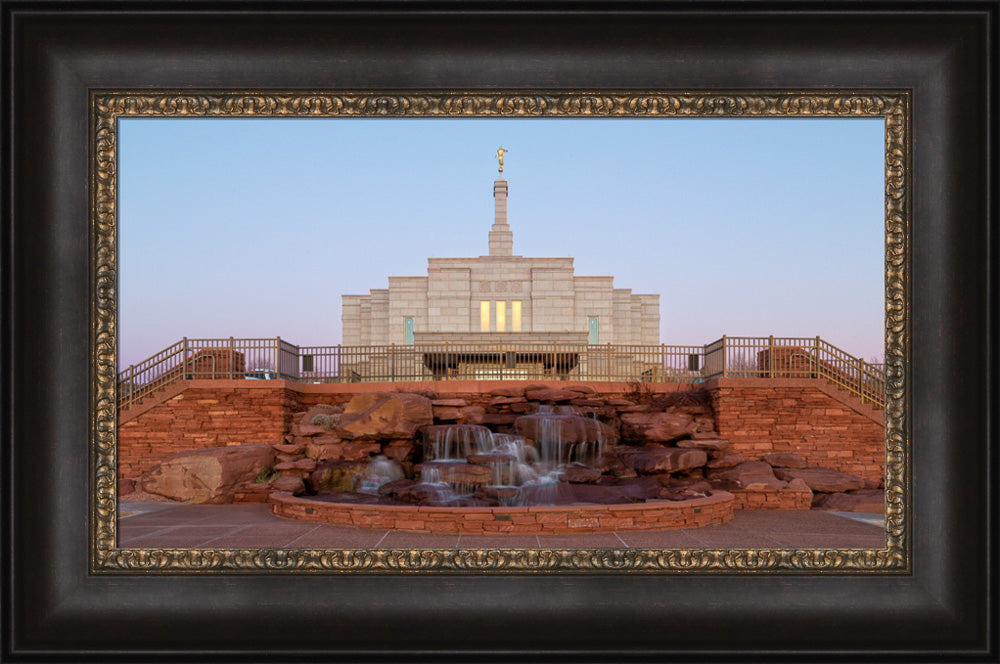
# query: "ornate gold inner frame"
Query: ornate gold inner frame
{"points": [[107, 106]]}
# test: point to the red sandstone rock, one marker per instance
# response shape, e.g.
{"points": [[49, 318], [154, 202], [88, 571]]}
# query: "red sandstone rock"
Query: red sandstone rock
{"points": [[497, 493], [726, 461], [290, 448], [587, 403], [336, 475], [708, 433], [744, 475], [784, 460], [472, 415], [389, 488], [579, 474], [459, 472], [499, 419], [825, 480], [292, 484], [551, 394], [284, 458], [305, 430], [798, 484], [455, 403], [379, 416], [571, 429], [500, 401], [447, 413], [400, 450], [619, 402], [207, 476], [321, 415], [656, 427], [306, 464], [324, 452], [714, 445], [659, 458], [360, 450], [871, 501], [125, 486]]}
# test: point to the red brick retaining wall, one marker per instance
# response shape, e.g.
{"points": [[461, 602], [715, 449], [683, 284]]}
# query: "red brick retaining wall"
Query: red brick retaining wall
{"points": [[635, 517], [771, 499], [759, 416], [800, 416], [215, 415]]}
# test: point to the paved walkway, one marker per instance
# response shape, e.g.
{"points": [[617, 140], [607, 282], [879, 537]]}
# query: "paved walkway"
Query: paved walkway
{"points": [[170, 525]]}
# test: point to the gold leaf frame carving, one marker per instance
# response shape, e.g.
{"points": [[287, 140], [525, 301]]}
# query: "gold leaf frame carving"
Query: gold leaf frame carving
{"points": [[107, 106]]}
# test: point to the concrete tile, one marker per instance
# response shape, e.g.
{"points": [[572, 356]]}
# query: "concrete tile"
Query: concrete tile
{"points": [[394, 540], [595, 541], [332, 537], [676, 539], [498, 542]]}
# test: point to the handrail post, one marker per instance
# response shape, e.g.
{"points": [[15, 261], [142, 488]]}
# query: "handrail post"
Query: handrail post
{"points": [[277, 356], [184, 360], [232, 359], [770, 357], [816, 357], [392, 361], [725, 351]]}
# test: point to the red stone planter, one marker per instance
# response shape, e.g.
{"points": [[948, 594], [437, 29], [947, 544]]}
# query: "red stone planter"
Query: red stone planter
{"points": [[651, 515]]}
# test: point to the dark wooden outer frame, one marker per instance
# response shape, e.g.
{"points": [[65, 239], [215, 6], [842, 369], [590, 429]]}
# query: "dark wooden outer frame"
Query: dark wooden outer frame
{"points": [[945, 609]]}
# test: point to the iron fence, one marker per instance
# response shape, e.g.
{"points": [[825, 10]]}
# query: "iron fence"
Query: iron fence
{"points": [[235, 358]]}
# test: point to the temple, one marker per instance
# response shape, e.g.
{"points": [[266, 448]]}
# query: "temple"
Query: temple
{"points": [[501, 298]]}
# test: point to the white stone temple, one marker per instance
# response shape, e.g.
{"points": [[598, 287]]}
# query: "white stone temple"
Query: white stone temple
{"points": [[501, 298]]}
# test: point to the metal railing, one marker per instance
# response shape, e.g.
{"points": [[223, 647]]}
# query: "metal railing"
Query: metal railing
{"points": [[233, 358]]}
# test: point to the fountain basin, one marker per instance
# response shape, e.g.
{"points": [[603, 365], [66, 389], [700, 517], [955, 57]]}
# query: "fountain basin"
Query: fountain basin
{"points": [[648, 516]]}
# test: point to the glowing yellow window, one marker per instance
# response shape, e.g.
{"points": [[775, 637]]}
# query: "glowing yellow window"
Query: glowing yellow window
{"points": [[484, 315], [515, 316], [501, 316]]}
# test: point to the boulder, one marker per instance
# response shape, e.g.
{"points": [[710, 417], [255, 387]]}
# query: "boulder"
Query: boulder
{"points": [[447, 413], [825, 480], [125, 486], [293, 485], [454, 403], [578, 474], [458, 472], [400, 450], [324, 452], [659, 458], [322, 415], [336, 475], [384, 415], [472, 415], [784, 460], [745, 474], [207, 476], [657, 427], [306, 464], [726, 461], [502, 401], [360, 450], [715, 446], [571, 429], [870, 501], [291, 448], [308, 430], [550, 394]]}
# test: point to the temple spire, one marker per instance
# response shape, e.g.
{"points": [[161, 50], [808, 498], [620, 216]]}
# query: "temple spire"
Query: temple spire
{"points": [[501, 237]]}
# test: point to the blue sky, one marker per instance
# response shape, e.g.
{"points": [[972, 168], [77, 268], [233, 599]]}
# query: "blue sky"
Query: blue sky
{"points": [[255, 227]]}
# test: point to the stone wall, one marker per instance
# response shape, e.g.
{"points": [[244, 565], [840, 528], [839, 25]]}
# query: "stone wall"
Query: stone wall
{"points": [[758, 416], [214, 414], [807, 417]]}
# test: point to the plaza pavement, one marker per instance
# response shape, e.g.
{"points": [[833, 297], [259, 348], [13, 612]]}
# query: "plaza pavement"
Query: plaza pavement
{"points": [[172, 525]]}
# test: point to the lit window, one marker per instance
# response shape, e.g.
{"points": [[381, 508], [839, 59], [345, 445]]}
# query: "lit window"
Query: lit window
{"points": [[501, 316], [484, 315], [515, 316]]}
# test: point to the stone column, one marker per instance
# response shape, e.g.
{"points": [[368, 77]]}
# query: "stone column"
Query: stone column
{"points": [[501, 237]]}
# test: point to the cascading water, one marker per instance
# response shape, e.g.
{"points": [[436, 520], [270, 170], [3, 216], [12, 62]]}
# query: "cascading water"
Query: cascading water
{"points": [[522, 473]]}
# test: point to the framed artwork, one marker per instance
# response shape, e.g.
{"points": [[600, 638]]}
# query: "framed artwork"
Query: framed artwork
{"points": [[79, 81]]}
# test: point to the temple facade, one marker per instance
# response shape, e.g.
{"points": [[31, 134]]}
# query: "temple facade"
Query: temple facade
{"points": [[501, 298]]}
